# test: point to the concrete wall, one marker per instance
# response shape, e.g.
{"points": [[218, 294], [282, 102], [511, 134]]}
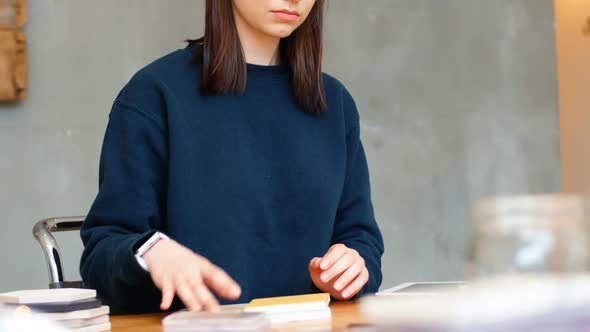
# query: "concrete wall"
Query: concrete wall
{"points": [[457, 98], [81, 54], [458, 101]]}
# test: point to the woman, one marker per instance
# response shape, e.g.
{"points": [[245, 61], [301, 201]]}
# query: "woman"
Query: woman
{"points": [[242, 152]]}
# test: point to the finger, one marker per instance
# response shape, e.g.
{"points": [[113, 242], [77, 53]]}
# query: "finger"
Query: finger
{"points": [[332, 256], [340, 266], [206, 298], [186, 294], [314, 264], [356, 285], [348, 276], [167, 294], [221, 283]]}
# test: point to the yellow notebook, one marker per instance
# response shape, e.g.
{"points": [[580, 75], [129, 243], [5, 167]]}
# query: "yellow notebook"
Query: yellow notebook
{"points": [[286, 304]]}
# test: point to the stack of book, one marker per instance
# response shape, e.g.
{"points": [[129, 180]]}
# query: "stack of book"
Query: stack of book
{"points": [[72, 308], [287, 309], [258, 315]]}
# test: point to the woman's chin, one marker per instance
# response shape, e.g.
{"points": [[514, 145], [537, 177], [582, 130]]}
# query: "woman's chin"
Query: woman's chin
{"points": [[279, 32]]}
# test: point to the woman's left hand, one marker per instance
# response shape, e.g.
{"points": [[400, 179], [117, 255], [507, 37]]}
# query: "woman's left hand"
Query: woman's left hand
{"points": [[341, 272]]}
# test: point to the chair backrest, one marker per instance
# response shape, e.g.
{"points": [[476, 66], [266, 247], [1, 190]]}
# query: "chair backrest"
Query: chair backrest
{"points": [[42, 233]]}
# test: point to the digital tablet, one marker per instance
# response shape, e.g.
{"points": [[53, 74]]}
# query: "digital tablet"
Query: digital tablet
{"points": [[425, 288]]}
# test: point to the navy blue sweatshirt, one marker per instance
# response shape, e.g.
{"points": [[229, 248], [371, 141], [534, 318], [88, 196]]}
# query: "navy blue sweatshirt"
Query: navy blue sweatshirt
{"points": [[249, 181]]}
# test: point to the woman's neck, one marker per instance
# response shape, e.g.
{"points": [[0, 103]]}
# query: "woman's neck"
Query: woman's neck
{"points": [[259, 49]]}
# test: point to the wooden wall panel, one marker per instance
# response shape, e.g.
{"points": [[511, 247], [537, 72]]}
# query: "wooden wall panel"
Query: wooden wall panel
{"points": [[13, 14], [573, 50], [13, 50]]}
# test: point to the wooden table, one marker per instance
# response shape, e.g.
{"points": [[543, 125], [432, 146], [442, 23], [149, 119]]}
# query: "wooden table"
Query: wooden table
{"points": [[343, 314]]}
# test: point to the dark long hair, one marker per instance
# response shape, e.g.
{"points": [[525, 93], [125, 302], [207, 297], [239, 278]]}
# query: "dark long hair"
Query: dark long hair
{"points": [[224, 66]]}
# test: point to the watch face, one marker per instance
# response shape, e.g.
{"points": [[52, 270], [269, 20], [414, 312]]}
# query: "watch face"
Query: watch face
{"points": [[150, 242]]}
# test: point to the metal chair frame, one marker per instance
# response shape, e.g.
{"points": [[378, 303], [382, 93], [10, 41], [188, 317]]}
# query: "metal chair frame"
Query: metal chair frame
{"points": [[42, 231]]}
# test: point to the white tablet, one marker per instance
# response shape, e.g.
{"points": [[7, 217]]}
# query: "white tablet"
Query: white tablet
{"points": [[425, 288]]}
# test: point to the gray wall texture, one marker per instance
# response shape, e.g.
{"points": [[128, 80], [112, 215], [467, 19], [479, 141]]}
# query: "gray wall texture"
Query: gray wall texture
{"points": [[458, 100]]}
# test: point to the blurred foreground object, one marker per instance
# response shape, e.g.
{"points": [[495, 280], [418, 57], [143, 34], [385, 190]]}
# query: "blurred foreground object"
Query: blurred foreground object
{"points": [[532, 234], [22, 320], [528, 266], [513, 304], [13, 50]]}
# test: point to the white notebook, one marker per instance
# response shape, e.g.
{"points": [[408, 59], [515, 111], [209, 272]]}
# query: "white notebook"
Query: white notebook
{"points": [[80, 314], [47, 295], [287, 304], [77, 323], [286, 309], [292, 317], [94, 328]]}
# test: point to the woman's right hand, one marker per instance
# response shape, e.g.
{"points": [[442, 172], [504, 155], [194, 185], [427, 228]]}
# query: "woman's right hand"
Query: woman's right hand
{"points": [[176, 269]]}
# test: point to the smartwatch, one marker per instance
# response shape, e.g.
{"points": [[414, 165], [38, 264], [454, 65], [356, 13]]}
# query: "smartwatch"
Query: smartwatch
{"points": [[147, 245]]}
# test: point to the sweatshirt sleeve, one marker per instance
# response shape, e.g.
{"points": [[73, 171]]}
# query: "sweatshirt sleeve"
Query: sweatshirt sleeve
{"points": [[129, 207], [355, 224]]}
